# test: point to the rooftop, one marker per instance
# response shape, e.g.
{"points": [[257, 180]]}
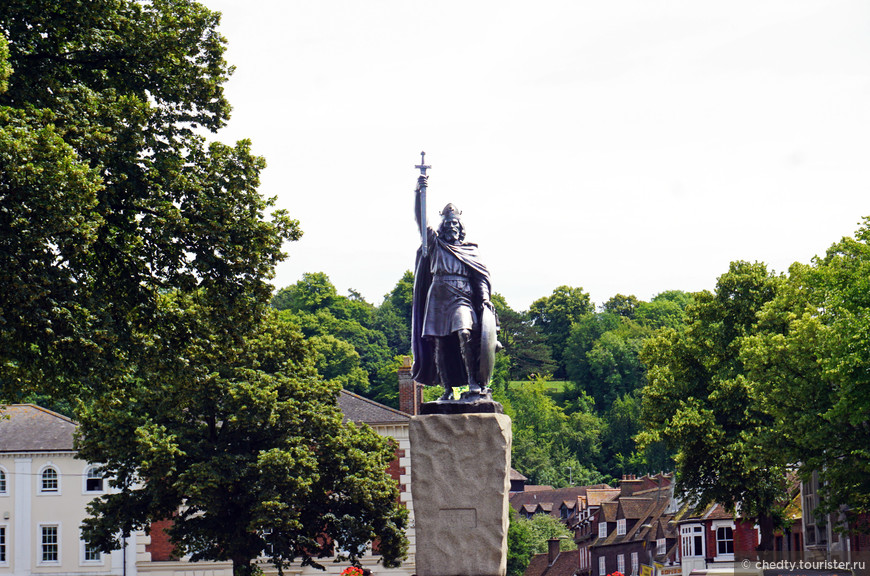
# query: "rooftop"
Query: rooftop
{"points": [[358, 409], [31, 428]]}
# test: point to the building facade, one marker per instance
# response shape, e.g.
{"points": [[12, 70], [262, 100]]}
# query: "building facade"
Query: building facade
{"points": [[45, 489]]}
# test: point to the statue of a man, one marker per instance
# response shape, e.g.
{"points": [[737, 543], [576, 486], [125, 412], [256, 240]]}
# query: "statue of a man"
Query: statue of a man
{"points": [[451, 292]]}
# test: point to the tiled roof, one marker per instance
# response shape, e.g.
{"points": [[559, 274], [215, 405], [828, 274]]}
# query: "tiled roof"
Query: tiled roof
{"points": [[537, 488], [566, 564], [595, 496], [358, 409], [608, 512], [718, 512], [551, 499], [633, 508], [30, 428], [516, 475]]}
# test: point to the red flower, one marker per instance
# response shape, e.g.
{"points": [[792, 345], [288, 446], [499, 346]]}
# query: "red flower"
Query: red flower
{"points": [[353, 571]]}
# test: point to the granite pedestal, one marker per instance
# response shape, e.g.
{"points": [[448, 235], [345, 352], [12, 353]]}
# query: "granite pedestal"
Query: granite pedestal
{"points": [[460, 481]]}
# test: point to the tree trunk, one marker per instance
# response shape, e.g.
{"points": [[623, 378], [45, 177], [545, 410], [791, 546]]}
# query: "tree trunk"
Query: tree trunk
{"points": [[765, 527]]}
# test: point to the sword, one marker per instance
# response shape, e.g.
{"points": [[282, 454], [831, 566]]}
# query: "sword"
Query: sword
{"points": [[422, 167]]}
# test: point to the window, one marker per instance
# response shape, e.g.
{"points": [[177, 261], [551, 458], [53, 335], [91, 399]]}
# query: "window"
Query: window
{"points": [[602, 529], [2, 481], [91, 553], [48, 480], [3, 559], [620, 527], [620, 563], [634, 563], [602, 567], [93, 480], [49, 545], [661, 546], [724, 541], [563, 512], [693, 541]]}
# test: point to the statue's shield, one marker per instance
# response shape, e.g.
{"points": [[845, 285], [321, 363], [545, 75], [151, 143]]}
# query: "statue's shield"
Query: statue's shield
{"points": [[488, 343]]}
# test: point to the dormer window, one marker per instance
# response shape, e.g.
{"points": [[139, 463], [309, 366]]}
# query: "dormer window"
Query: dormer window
{"points": [[602, 529], [620, 527], [661, 546]]}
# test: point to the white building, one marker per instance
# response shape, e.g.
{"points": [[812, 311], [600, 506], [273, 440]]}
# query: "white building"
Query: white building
{"points": [[43, 493], [44, 490]]}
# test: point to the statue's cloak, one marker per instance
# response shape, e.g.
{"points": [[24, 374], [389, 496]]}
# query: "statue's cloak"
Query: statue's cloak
{"points": [[423, 349]]}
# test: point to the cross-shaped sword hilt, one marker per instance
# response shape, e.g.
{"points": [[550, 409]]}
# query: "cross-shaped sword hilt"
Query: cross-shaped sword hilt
{"points": [[422, 167]]}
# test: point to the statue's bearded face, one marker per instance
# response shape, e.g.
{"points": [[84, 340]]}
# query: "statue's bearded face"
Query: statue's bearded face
{"points": [[450, 229]]}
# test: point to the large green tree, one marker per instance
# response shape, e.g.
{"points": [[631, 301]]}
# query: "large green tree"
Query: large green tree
{"points": [[700, 403], [809, 359], [134, 269], [109, 197], [555, 313], [243, 446]]}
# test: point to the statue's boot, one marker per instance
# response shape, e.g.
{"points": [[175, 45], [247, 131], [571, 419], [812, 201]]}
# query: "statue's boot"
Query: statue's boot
{"points": [[468, 359], [441, 368]]}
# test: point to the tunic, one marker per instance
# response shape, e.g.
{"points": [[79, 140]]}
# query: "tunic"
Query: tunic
{"points": [[449, 304], [449, 285]]}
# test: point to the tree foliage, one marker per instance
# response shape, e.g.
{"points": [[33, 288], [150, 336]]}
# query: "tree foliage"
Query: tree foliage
{"points": [[527, 537], [524, 345], [809, 359], [555, 313], [700, 403], [134, 266], [551, 445], [352, 327], [109, 197], [237, 444]]}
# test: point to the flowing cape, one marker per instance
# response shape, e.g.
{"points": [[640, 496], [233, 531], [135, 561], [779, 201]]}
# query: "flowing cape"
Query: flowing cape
{"points": [[423, 349]]}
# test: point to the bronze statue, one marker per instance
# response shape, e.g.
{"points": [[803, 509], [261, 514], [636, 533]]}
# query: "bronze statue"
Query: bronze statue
{"points": [[453, 321]]}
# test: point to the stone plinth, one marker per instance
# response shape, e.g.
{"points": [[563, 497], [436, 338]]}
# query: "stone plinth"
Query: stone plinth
{"points": [[460, 481]]}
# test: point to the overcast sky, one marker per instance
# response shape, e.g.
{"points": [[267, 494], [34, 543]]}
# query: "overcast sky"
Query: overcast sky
{"points": [[621, 146]]}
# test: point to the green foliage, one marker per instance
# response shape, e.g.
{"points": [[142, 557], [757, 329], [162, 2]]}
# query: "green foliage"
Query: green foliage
{"points": [[5, 68], [700, 403], [529, 537], [123, 199], [622, 305], [314, 305], [524, 344], [134, 268], [666, 310], [551, 446], [234, 440], [619, 448], [521, 545], [554, 314], [809, 359], [602, 356], [337, 360]]}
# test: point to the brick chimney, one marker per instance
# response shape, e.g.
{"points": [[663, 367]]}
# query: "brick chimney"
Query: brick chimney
{"points": [[630, 484], [552, 550], [410, 392]]}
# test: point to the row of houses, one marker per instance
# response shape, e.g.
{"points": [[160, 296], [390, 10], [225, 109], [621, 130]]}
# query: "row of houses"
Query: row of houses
{"points": [[642, 529]]}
